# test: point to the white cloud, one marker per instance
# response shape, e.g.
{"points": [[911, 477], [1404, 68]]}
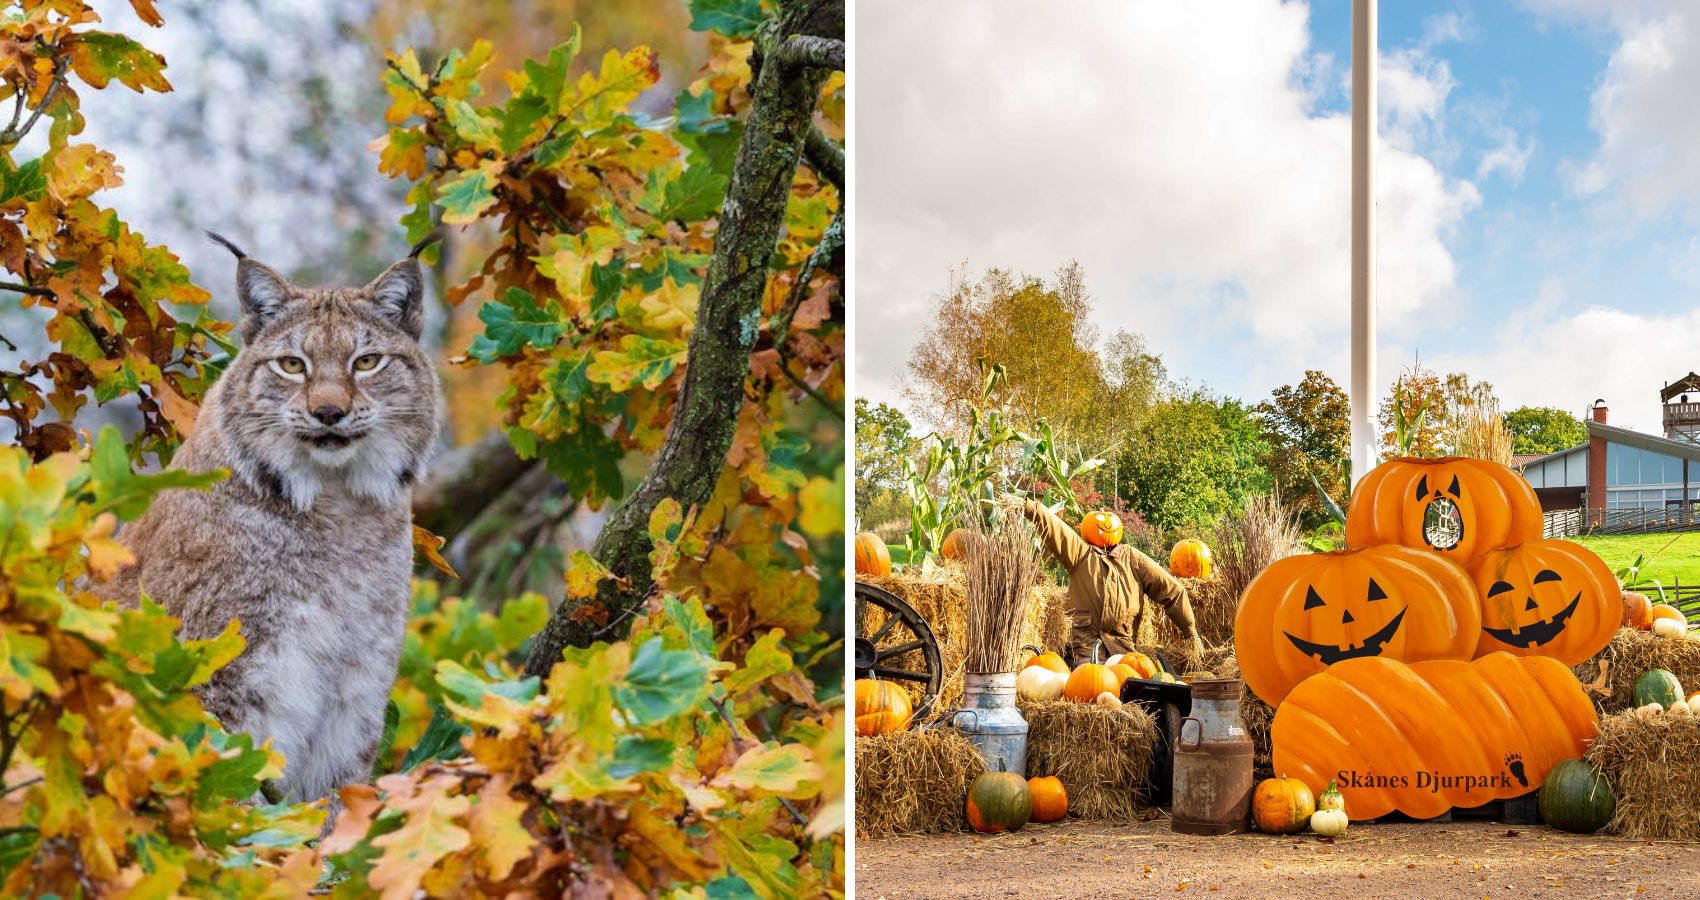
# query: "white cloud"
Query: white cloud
{"points": [[1642, 108], [1181, 157], [1509, 156]]}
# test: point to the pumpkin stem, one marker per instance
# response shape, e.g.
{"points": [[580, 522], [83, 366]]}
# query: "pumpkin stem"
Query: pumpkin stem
{"points": [[1000, 765]]}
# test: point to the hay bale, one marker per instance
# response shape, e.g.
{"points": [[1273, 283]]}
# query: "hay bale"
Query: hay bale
{"points": [[1653, 766], [1103, 756], [1631, 653], [1258, 716], [914, 782], [940, 597], [1213, 609]]}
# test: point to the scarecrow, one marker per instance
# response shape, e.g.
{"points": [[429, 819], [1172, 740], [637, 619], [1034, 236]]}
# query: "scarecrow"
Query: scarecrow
{"points": [[1109, 589]]}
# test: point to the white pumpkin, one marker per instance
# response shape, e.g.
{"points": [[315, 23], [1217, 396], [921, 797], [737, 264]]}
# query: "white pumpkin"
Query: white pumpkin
{"points": [[1329, 822], [1681, 708], [1111, 662], [1040, 684], [1109, 701], [1669, 628], [1648, 711]]}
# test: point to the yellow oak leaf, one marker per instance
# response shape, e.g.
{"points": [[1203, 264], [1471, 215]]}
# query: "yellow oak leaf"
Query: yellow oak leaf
{"points": [[498, 829]]}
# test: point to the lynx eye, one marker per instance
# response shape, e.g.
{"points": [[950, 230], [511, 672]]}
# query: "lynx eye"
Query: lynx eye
{"points": [[366, 362], [291, 365]]}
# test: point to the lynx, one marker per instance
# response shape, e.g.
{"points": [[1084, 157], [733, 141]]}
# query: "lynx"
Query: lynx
{"points": [[324, 421]]}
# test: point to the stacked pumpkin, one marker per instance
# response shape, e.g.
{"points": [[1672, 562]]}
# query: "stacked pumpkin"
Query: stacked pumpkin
{"points": [[1366, 653], [1046, 676]]}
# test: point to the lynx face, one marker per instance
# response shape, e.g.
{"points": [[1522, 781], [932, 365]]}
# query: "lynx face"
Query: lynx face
{"points": [[333, 389]]}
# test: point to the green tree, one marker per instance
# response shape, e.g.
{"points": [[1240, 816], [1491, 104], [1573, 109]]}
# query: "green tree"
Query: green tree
{"points": [[1194, 457], [1307, 427], [1543, 429], [883, 439]]}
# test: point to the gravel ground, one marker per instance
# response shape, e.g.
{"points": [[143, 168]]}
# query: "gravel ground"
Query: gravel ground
{"points": [[1405, 860]]}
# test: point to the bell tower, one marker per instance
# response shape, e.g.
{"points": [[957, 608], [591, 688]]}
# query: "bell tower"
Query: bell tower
{"points": [[1682, 408]]}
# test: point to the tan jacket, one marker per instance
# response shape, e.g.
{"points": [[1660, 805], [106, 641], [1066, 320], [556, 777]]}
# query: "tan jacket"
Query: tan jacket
{"points": [[1107, 588]]}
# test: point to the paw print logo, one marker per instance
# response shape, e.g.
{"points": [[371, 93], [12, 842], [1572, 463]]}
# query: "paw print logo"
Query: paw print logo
{"points": [[1514, 762]]}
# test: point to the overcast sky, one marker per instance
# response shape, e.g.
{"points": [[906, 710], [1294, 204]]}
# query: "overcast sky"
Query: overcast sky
{"points": [[1539, 187]]}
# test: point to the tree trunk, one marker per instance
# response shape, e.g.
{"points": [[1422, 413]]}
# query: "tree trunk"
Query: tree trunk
{"points": [[728, 319]]}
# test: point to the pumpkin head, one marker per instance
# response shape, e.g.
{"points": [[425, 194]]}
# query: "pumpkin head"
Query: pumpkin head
{"points": [[1090, 680], [881, 707], [1047, 660], [999, 801], [872, 558], [1306, 613], [1101, 529], [1282, 805], [955, 545], [1454, 506], [1050, 800], [1546, 598], [1190, 559], [1637, 611]]}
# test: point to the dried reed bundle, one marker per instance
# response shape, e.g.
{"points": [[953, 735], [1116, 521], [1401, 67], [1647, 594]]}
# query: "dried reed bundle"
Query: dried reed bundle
{"points": [[1000, 567], [1245, 543], [1258, 716], [1653, 766], [1479, 431]]}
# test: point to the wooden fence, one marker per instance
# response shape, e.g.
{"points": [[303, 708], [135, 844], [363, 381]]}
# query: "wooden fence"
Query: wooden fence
{"points": [[1563, 523]]}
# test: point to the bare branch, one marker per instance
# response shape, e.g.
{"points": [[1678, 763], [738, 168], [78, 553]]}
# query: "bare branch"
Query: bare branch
{"points": [[25, 289], [825, 157], [13, 132], [805, 50]]}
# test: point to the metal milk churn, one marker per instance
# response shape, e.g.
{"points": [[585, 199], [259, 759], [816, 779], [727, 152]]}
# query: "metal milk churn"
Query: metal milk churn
{"points": [[990, 721], [1212, 763]]}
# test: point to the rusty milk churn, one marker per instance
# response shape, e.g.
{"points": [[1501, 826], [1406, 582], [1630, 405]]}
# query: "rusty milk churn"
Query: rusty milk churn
{"points": [[1212, 763]]}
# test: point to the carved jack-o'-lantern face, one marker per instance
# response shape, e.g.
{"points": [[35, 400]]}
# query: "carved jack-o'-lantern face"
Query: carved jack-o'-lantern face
{"points": [[1306, 613], [1454, 506], [1547, 598]]}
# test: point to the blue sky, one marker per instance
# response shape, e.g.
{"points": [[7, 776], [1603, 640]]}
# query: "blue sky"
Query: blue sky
{"points": [[1539, 202]]}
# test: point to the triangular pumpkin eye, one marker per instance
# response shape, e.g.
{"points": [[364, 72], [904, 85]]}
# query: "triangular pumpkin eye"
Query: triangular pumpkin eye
{"points": [[1375, 591], [1422, 487], [1499, 587], [1312, 601], [1455, 490], [1530, 605]]}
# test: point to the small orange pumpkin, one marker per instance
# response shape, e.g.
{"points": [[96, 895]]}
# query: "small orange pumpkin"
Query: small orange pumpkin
{"points": [[881, 707], [1143, 666], [1047, 660], [1101, 529], [1667, 611], [1124, 672], [1190, 559], [1090, 680], [1050, 799], [1637, 611], [872, 558], [955, 545], [1282, 805]]}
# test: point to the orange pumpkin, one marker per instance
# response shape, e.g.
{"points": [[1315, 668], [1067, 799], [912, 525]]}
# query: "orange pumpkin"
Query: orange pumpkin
{"points": [[1050, 799], [1305, 613], [1637, 611], [1101, 529], [955, 545], [1667, 611], [1090, 680], [1546, 598], [1453, 505], [1506, 720], [1047, 660], [1282, 805], [881, 707], [1142, 665], [872, 558], [1190, 559], [1123, 672]]}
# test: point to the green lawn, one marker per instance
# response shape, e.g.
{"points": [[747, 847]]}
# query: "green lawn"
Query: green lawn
{"points": [[1669, 556]]}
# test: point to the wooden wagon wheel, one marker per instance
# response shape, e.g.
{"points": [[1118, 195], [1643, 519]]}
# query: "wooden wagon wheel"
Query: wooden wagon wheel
{"points": [[881, 642]]}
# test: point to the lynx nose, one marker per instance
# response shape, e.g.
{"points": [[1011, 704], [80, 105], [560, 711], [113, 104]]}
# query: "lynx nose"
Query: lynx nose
{"points": [[329, 414]]}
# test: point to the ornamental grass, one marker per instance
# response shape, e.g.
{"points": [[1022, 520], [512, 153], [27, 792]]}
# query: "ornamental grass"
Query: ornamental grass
{"points": [[914, 782], [1102, 756]]}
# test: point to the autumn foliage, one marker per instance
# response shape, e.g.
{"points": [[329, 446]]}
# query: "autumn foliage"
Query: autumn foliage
{"points": [[694, 755]]}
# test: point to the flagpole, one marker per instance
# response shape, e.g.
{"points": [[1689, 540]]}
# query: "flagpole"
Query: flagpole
{"points": [[1363, 436]]}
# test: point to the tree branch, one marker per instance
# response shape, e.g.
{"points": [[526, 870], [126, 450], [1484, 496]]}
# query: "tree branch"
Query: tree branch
{"points": [[25, 289], [464, 482], [825, 157], [694, 453], [13, 133], [806, 50]]}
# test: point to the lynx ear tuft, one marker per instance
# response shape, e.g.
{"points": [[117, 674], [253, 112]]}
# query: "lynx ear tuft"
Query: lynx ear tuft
{"points": [[399, 294], [263, 293]]}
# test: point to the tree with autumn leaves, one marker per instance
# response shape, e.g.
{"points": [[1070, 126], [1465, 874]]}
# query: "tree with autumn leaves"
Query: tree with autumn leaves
{"points": [[659, 290]]}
